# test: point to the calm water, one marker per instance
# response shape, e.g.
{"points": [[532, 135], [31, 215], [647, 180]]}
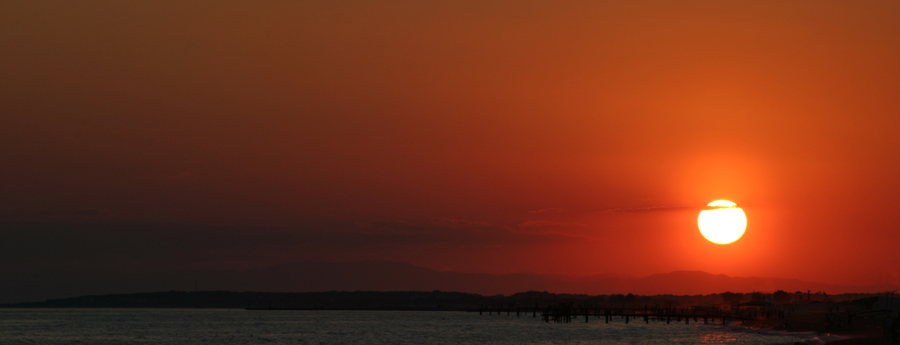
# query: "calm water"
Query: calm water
{"points": [[166, 326]]}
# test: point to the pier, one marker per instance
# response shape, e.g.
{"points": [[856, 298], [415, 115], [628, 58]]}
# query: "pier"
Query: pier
{"points": [[569, 312]]}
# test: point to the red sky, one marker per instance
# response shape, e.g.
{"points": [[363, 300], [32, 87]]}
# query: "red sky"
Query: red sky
{"points": [[505, 136]]}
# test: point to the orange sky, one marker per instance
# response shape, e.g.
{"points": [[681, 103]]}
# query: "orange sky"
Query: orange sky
{"points": [[546, 136]]}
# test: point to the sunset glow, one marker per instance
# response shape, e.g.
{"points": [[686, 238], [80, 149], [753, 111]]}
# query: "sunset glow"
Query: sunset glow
{"points": [[192, 138]]}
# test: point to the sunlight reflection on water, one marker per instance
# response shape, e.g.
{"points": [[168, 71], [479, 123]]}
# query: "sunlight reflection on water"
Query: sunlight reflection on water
{"points": [[212, 326]]}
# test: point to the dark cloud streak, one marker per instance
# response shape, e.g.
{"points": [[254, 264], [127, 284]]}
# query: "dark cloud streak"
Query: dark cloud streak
{"points": [[151, 246]]}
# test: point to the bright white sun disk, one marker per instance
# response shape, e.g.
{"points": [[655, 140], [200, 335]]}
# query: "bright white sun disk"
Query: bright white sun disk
{"points": [[724, 223]]}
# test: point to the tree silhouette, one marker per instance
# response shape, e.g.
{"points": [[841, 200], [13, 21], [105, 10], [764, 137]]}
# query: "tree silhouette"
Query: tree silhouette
{"points": [[731, 297], [757, 296], [781, 296]]}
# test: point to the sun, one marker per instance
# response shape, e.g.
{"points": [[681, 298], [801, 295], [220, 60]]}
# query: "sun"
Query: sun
{"points": [[723, 222]]}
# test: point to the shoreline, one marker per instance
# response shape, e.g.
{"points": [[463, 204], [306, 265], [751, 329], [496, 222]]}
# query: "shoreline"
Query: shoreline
{"points": [[864, 332]]}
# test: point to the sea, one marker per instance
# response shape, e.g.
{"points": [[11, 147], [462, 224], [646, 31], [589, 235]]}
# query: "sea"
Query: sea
{"points": [[237, 326]]}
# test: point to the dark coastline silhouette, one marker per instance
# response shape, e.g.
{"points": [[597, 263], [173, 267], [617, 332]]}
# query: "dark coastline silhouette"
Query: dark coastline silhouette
{"points": [[427, 300], [312, 276]]}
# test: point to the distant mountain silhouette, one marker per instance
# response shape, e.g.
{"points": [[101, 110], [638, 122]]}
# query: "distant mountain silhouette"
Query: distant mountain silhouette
{"points": [[341, 300], [397, 276], [313, 276]]}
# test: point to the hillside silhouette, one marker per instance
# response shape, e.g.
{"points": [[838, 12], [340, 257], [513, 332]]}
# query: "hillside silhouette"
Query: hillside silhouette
{"points": [[398, 276], [313, 276]]}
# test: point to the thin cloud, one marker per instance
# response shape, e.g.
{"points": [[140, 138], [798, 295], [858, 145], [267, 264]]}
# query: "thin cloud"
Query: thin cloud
{"points": [[561, 236], [56, 215], [458, 223], [101, 245], [648, 209], [547, 223], [547, 210], [455, 231]]}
